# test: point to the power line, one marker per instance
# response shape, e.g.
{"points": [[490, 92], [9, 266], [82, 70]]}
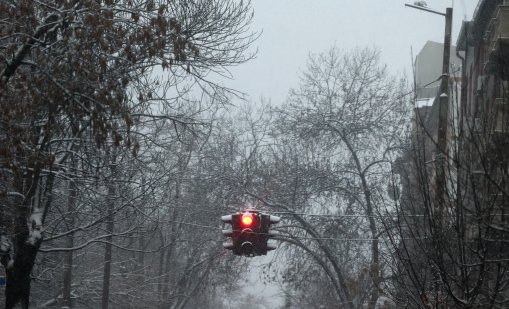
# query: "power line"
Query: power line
{"points": [[292, 237], [342, 216]]}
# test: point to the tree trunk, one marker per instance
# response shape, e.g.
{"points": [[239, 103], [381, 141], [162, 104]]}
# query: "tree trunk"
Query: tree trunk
{"points": [[167, 271], [17, 270], [160, 273], [67, 272], [109, 229], [17, 290], [107, 258], [173, 231], [375, 252]]}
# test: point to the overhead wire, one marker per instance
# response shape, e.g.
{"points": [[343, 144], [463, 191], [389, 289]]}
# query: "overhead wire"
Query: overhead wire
{"points": [[279, 236], [342, 216]]}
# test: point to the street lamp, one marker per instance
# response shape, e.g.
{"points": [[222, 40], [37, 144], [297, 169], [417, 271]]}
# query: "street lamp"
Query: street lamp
{"points": [[443, 110]]}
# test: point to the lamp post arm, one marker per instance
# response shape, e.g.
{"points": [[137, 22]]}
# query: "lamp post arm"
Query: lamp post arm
{"points": [[425, 9]]}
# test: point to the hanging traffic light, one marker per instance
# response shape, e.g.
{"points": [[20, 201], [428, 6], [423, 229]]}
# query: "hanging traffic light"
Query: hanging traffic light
{"points": [[250, 233]]}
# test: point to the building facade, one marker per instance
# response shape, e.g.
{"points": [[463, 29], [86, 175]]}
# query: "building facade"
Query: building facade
{"points": [[455, 250]]}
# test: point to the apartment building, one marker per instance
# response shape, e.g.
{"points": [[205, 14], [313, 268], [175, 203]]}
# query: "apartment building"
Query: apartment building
{"points": [[456, 249]]}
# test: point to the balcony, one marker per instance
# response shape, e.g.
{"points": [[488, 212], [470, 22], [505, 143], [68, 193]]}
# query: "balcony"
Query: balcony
{"points": [[500, 128], [497, 43], [501, 123]]}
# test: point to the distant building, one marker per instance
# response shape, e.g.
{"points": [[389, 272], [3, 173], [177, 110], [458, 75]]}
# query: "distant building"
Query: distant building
{"points": [[428, 72], [428, 69]]}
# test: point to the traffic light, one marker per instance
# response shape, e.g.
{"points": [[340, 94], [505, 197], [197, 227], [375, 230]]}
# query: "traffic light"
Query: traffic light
{"points": [[250, 233], [228, 233], [244, 232], [266, 233]]}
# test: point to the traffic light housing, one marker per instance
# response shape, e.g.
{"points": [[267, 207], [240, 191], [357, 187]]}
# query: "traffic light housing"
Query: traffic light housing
{"points": [[266, 233], [250, 233]]}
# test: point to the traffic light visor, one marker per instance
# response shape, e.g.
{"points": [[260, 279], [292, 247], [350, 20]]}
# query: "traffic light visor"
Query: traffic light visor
{"points": [[247, 219]]}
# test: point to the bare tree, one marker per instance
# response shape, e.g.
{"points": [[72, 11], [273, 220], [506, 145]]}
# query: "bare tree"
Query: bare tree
{"points": [[330, 159], [455, 254], [71, 70]]}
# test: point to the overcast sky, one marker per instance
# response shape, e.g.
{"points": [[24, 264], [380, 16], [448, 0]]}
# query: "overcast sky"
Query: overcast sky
{"points": [[291, 29]]}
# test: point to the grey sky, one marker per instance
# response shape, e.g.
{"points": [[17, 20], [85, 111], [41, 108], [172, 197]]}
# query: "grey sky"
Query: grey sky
{"points": [[294, 28]]}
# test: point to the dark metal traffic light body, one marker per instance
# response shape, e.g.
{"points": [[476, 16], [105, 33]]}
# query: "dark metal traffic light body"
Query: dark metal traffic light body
{"points": [[250, 233], [265, 233]]}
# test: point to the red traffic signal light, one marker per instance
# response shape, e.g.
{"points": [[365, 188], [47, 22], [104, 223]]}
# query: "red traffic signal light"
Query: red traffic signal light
{"points": [[247, 219]]}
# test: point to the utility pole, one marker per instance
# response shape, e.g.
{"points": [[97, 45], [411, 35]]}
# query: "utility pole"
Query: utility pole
{"points": [[441, 157], [443, 114]]}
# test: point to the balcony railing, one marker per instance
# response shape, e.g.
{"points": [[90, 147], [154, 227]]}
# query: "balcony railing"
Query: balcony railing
{"points": [[497, 42], [501, 123]]}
